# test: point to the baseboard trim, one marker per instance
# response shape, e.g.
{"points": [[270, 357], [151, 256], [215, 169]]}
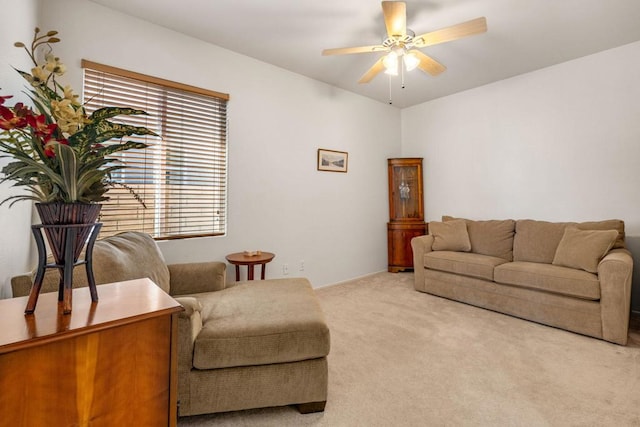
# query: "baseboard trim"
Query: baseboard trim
{"points": [[350, 280]]}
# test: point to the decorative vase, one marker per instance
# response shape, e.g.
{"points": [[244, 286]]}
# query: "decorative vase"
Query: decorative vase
{"points": [[68, 228], [57, 213]]}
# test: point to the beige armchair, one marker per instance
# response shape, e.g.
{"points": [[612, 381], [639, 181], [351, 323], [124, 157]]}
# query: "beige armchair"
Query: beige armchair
{"points": [[248, 345]]}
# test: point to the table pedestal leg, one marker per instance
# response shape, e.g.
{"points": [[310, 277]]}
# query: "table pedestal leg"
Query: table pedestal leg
{"points": [[237, 273], [264, 267], [250, 272]]}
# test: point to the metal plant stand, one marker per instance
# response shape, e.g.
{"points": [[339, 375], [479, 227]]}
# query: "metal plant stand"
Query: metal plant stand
{"points": [[68, 234]]}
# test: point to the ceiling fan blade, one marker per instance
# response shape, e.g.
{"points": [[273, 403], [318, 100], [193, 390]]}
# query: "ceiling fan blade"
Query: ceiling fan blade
{"points": [[428, 64], [372, 72], [395, 18], [349, 50], [455, 32]]}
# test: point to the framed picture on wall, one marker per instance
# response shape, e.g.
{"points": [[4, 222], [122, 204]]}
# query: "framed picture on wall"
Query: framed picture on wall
{"points": [[332, 161]]}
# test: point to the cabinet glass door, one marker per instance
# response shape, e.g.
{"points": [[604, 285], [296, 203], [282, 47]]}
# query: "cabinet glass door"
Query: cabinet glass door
{"points": [[405, 197]]}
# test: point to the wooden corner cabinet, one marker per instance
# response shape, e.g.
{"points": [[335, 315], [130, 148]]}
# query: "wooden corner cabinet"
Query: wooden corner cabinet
{"points": [[109, 363], [406, 211]]}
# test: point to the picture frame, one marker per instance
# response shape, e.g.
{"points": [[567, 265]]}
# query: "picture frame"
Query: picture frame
{"points": [[332, 161]]}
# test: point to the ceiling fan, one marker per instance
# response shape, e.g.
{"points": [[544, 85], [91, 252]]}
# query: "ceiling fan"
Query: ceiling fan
{"points": [[401, 44]]}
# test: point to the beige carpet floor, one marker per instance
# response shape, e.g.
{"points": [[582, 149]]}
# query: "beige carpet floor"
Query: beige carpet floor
{"points": [[404, 358]]}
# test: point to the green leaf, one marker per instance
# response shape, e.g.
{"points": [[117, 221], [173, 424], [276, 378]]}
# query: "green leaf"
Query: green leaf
{"points": [[109, 112], [108, 150], [69, 170], [104, 130], [89, 179]]}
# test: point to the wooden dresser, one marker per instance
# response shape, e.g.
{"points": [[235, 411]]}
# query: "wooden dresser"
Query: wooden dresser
{"points": [[112, 363]]}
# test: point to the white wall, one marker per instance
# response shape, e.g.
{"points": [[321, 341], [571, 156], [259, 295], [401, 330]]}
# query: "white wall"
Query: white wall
{"points": [[15, 241], [561, 143], [278, 202]]}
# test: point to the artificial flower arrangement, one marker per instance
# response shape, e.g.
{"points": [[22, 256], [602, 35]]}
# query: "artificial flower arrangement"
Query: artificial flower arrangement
{"points": [[59, 153]]}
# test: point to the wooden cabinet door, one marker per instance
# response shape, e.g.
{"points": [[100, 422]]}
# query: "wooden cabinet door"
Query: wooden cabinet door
{"points": [[406, 201], [399, 244]]}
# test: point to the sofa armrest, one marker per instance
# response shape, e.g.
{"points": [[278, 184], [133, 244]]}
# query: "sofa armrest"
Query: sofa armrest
{"points": [[21, 285], [189, 326], [615, 272], [194, 278], [420, 246]]}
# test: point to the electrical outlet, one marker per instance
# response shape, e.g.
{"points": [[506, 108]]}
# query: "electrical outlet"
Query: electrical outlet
{"points": [[301, 267], [285, 269]]}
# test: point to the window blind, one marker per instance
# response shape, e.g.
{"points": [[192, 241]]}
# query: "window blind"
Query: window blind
{"points": [[182, 176]]}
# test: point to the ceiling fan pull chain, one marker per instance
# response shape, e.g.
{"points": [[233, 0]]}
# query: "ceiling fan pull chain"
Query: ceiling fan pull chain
{"points": [[390, 101], [401, 75]]}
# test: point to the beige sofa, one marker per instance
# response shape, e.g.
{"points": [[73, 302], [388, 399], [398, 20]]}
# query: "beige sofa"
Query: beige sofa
{"points": [[575, 276], [240, 346]]}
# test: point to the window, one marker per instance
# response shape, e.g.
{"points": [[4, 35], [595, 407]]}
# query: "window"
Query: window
{"points": [[182, 175]]}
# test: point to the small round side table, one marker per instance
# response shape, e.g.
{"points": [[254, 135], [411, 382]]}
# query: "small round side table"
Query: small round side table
{"points": [[240, 258]]}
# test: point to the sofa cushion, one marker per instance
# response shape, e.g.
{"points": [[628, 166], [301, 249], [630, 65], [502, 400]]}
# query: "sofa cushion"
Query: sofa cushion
{"points": [[450, 236], [550, 278], [583, 249], [537, 241], [467, 264], [492, 237], [261, 322]]}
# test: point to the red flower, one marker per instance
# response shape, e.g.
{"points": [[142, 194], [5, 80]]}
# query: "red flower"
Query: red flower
{"points": [[21, 110], [10, 120], [4, 98], [39, 124], [49, 146]]}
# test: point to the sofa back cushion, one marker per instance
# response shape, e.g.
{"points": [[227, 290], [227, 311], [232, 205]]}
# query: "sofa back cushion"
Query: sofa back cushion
{"points": [[608, 224], [492, 237], [127, 256], [537, 241]]}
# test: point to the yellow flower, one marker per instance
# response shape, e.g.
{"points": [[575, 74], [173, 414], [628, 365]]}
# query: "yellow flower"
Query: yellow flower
{"points": [[69, 119], [68, 94], [54, 65], [40, 76]]}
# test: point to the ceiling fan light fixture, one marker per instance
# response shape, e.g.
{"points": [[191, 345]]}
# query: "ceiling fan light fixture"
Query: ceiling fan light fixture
{"points": [[411, 61], [390, 63]]}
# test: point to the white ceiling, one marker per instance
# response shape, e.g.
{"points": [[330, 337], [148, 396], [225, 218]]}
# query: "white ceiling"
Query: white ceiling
{"points": [[522, 36]]}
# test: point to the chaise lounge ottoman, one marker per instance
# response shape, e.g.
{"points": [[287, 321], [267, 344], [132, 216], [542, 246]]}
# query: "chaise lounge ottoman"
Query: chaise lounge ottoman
{"points": [[252, 345]]}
